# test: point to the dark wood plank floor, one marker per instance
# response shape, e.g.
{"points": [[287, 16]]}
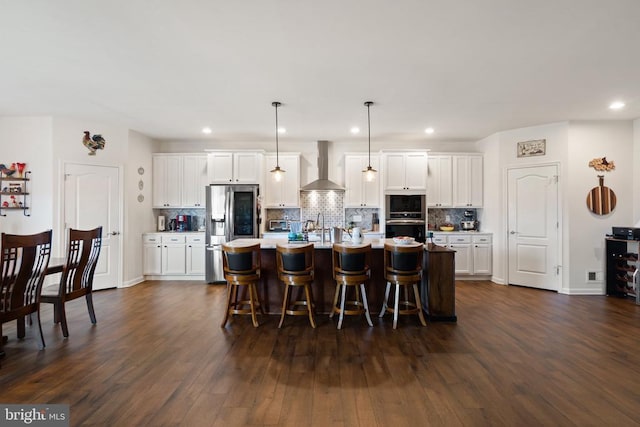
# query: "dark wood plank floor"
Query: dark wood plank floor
{"points": [[158, 357]]}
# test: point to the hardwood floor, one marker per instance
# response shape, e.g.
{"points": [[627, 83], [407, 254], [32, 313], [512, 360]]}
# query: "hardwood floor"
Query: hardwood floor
{"points": [[158, 357]]}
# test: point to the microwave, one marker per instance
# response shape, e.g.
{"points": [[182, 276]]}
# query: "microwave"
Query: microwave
{"points": [[278, 225], [406, 206]]}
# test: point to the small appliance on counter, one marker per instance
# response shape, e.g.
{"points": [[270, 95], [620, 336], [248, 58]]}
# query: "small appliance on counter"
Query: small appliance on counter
{"points": [[161, 223], [183, 223], [469, 222], [278, 225]]}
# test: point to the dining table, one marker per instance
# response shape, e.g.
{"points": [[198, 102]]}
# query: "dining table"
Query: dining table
{"points": [[56, 265]]}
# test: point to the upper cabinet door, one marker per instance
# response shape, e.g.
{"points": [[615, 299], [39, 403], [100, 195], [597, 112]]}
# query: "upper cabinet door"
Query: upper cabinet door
{"points": [[467, 181], [246, 168], [220, 168], [416, 171], [394, 175], [234, 168], [195, 180], [439, 182], [284, 193], [358, 191], [167, 181], [405, 172]]}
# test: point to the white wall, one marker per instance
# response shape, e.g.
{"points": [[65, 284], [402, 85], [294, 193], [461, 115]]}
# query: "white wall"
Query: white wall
{"points": [[585, 248], [491, 217], [500, 155], [138, 216], [636, 172], [28, 140], [571, 145]]}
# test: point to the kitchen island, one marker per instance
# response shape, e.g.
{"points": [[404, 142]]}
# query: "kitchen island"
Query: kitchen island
{"points": [[438, 275]]}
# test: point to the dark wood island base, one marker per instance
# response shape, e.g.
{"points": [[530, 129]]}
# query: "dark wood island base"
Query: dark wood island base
{"points": [[437, 288]]}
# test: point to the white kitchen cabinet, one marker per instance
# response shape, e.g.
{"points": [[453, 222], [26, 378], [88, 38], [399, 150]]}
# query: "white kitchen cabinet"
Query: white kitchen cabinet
{"points": [[152, 257], [464, 255], [234, 167], [194, 181], [467, 181], [286, 192], [195, 252], [174, 255], [358, 191], [482, 248], [167, 181], [473, 251], [439, 181], [405, 172]]}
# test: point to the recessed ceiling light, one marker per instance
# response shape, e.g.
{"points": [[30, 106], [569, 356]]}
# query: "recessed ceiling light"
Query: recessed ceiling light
{"points": [[355, 130], [282, 130], [429, 131], [206, 130], [616, 105]]}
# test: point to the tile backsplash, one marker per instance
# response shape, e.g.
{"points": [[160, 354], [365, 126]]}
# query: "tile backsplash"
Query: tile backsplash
{"points": [[329, 203], [197, 216]]}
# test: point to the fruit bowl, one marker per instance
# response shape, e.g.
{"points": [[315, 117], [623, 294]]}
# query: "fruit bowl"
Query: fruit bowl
{"points": [[403, 240], [446, 228]]}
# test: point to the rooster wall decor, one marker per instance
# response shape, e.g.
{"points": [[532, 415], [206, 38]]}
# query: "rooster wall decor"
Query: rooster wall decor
{"points": [[93, 143]]}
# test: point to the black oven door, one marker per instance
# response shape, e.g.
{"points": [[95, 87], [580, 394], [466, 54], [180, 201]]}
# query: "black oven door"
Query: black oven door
{"points": [[417, 231]]}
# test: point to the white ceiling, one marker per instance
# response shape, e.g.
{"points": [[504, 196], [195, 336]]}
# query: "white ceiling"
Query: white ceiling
{"points": [[468, 68]]}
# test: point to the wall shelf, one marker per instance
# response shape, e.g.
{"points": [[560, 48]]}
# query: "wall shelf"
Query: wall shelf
{"points": [[13, 190]]}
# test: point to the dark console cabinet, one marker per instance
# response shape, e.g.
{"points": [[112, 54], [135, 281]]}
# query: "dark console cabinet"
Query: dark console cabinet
{"points": [[622, 267]]}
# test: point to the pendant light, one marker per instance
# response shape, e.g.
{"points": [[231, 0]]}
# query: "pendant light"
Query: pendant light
{"points": [[369, 172], [277, 172]]}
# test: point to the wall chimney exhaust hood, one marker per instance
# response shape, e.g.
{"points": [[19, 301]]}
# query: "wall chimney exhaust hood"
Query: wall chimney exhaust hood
{"points": [[323, 183]]}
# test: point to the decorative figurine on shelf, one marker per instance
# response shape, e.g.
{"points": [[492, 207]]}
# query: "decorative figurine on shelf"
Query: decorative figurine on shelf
{"points": [[5, 204], [14, 202], [8, 171], [93, 143], [21, 167]]}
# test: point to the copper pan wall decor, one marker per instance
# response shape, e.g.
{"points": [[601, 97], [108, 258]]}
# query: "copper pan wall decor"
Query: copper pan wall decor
{"points": [[601, 200]]}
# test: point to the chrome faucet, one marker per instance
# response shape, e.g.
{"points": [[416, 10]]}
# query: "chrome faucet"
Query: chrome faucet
{"points": [[321, 227]]}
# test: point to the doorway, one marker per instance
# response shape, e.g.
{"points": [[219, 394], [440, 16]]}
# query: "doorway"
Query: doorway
{"points": [[533, 227], [92, 198]]}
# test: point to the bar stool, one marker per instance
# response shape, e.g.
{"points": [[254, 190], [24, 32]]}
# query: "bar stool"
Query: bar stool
{"points": [[241, 268], [403, 267], [351, 269], [295, 269]]}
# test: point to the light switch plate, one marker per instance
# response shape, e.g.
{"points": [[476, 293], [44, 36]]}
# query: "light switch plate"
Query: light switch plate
{"points": [[357, 218]]}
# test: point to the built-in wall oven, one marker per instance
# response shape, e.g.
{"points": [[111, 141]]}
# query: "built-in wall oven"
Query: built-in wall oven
{"points": [[405, 216]]}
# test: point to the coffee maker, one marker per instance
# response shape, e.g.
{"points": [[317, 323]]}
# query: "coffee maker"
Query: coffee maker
{"points": [[183, 223], [469, 222]]}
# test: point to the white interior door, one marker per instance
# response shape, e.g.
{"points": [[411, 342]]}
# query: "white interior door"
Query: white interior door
{"points": [[533, 227], [92, 198]]}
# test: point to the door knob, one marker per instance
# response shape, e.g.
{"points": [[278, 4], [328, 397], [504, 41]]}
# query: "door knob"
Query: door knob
{"points": [[115, 233], [512, 232]]}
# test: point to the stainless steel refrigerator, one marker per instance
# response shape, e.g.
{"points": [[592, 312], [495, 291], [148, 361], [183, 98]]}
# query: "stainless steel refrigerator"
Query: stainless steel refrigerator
{"points": [[233, 212]]}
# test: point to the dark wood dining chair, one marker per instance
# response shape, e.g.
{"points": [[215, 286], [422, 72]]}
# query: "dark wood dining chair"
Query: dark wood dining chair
{"points": [[22, 270], [76, 281]]}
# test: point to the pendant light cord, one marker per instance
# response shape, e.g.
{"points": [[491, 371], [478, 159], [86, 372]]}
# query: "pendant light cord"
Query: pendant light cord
{"points": [[369, 127], [277, 104]]}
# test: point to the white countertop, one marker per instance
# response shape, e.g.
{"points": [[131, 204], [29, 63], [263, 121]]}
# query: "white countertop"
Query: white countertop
{"points": [[271, 243], [174, 232]]}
